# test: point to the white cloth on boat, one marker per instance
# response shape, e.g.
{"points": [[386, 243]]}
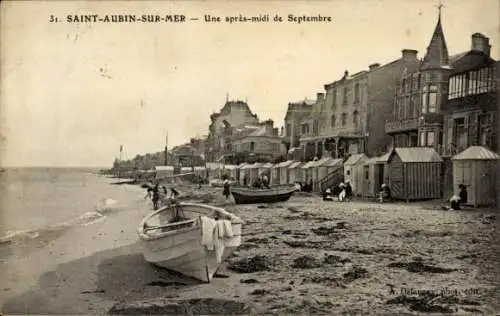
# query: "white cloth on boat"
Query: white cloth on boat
{"points": [[225, 228], [208, 226], [213, 235]]}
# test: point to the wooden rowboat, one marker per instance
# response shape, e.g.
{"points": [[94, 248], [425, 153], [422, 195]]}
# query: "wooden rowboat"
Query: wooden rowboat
{"points": [[172, 238], [253, 196]]}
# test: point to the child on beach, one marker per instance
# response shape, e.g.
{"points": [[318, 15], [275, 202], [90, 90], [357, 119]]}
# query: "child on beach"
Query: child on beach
{"points": [[457, 200], [342, 192], [226, 191]]}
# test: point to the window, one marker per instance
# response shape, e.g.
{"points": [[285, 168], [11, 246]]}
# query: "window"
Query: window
{"points": [[430, 139], [334, 99], [355, 118], [288, 131], [432, 106], [413, 109], [425, 95], [333, 121], [422, 139], [344, 99], [415, 82], [403, 86], [356, 92], [367, 172], [315, 127], [252, 146], [473, 82], [344, 119], [460, 136], [485, 130], [402, 106], [483, 79], [304, 129], [429, 99]]}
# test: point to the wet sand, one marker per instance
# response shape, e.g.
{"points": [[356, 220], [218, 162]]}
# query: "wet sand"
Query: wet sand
{"points": [[301, 256]]}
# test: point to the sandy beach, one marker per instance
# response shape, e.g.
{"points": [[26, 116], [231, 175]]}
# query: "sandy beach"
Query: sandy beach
{"points": [[301, 256]]}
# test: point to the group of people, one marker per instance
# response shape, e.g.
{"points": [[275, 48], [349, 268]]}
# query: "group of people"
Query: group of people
{"points": [[158, 193], [343, 192], [261, 182]]}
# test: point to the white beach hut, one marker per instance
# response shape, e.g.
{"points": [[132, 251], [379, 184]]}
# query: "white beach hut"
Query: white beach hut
{"points": [[163, 172], [306, 172], [353, 171], [283, 171], [294, 172]]}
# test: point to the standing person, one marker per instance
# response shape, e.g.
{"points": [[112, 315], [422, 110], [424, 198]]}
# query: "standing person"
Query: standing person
{"points": [[462, 194], [342, 192], [156, 196], [265, 182], [348, 190], [226, 190], [385, 193]]}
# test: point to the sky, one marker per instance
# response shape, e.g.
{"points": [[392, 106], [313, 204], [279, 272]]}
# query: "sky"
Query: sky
{"points": [[72, 93]]}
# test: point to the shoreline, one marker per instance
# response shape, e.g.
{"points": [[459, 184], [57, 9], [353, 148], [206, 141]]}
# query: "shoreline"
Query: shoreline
{"points": [[301, 256]]}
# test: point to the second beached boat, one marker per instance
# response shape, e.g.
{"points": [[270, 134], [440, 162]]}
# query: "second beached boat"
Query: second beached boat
{"points": [[253, 196], [192, 239]]}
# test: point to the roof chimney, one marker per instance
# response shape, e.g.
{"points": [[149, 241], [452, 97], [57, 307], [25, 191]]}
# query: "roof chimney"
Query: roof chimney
{"points": [[346, 74], [374, 66], [320, 96], [480, 43], [409, 54]]}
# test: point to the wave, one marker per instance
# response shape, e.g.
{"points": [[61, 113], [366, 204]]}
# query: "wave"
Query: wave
{"points": [[106, 206]]}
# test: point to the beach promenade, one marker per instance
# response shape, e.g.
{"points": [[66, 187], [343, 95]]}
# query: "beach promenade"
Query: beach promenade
{"points": [[301, 256]]}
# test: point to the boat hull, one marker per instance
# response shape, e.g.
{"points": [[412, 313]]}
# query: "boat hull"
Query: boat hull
{"points": [[185, 254], [182, 251], [262, 196]]}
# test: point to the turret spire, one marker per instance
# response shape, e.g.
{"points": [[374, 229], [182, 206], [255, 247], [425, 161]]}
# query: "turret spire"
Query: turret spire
{"points": [[437, 51]]}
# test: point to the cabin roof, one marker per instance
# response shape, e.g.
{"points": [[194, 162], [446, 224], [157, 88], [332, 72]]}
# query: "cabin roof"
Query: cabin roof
{"points": [[242, 164], [164, 168], [355, 159], [230, 167], [266, 165], [333, 162], [308, 164], [294, 165], [476, 153], [379, 159], [283, 164], [417, 154], [321, 162]]}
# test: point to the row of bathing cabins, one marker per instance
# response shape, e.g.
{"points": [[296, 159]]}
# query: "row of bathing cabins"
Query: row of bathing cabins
{"points": [[412, 173], [422, 126]]}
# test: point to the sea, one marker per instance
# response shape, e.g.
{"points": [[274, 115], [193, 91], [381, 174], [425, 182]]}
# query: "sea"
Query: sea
{"points": [[34, 200]]}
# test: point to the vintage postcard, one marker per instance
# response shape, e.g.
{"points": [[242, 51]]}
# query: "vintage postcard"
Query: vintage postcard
{"points": [[250, 157]]}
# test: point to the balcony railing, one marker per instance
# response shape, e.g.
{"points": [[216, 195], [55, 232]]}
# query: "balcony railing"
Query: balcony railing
{"points": [[394, 125]]}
